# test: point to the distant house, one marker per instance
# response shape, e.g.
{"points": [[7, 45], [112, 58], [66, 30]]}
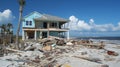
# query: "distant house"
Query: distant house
{"points": [[36, 26]]}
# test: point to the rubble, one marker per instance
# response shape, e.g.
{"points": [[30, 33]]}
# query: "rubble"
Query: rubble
{"points": [[112, 53], [56, 52], [97, 60], [60, 42], [69, 43], [47, 48]]}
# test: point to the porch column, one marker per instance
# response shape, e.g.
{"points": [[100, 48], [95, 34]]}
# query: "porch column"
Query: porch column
{"points": [[35, 36], [58, 25], [68, 35], [47, 33], [23, 35], [48, 29], [40, 34], [26, 35], [63, 26]]}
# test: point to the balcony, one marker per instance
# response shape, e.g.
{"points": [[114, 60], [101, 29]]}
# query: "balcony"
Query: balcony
{"points": [[58, 29], [50, 29]]}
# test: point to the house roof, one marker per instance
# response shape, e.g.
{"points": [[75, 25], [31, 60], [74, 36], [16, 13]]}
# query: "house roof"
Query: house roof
{"points": [[33, 13], [46, 17]]}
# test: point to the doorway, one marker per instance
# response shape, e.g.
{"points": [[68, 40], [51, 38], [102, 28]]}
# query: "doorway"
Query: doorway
{"points": [[44, 24], [30, 34], [44, 34]]}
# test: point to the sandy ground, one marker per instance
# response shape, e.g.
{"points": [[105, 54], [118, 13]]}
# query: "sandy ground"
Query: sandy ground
{"points": [[80, 56]]}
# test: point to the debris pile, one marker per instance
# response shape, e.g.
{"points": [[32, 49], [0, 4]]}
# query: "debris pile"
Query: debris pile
{"points": [[112, 53], [58, 52]]}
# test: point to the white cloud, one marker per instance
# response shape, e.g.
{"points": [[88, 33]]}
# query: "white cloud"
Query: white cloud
{"points": [[119, 23], [73, 19], [91, 21], [81, 25], [73, 22], [116, 28], [6, 16]]}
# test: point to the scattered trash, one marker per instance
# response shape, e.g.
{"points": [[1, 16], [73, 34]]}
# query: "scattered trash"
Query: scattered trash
{"points": [[97, 60], [103, 65], [47, 48], [112, 53], [66, 65], [47, 51], [60, 42], [69, 43]]}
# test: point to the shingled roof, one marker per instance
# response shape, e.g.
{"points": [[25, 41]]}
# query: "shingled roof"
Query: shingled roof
{"points": [[46, 17]]}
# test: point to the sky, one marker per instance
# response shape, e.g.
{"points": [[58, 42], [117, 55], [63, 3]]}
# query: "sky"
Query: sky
{"points": [[87, 17]]}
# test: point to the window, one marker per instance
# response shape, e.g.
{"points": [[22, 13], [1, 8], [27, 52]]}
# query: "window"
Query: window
{"points": [[53, 25], [44, 24], [29, 23]]}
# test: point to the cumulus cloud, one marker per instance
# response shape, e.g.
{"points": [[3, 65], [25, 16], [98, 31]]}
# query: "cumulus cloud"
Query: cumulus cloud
{"points": [[81, 25], [73, 22], [116, 28], [6, 16], [91, 21]]}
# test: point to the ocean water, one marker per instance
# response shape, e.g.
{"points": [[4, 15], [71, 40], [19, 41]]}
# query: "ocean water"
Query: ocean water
{"points": [[111, 40], [103, 38]]}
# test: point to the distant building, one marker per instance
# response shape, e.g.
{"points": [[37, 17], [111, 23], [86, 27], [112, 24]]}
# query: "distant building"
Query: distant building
{"points": [[36, 26]]}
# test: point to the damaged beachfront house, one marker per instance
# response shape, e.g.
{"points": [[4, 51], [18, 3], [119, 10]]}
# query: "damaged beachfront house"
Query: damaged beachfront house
{"points": [[36, 26]]}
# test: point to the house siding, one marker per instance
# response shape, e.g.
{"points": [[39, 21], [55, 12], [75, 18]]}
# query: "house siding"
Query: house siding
{"points": [[54, 34], [31, 18], [39, 24], [38, 33]]}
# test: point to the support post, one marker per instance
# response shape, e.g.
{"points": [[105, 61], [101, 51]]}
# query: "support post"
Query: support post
{"points": [[35, 35], [48, 29], [48, 34], [58, 25], [23, 35], [63, 26], [40, 34], [68, 35]]}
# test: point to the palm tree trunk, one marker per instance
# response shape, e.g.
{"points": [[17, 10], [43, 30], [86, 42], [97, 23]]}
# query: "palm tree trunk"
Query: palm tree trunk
{"points": [[18, 29]]}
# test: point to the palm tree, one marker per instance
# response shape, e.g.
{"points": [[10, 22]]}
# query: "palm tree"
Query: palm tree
{"points": [[21, 5], [3, 32], [10, 31], [3, 28]]}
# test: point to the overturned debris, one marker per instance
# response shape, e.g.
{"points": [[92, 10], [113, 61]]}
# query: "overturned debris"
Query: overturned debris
{"points": [[47, 52], [112, 53]]}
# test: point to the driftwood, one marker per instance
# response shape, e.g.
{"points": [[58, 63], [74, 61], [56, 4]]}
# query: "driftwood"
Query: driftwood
{"points": [[48, 60], [13, 50], [89, 59]]}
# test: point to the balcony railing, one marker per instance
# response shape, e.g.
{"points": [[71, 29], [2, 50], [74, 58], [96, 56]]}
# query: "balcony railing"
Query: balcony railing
{"points": [[50, 29]]}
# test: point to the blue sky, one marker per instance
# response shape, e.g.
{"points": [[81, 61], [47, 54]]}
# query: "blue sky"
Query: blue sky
{"points": [[85, 15]]}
